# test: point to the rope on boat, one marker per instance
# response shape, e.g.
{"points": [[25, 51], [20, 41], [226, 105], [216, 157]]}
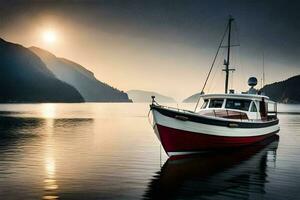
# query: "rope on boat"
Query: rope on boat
{"points": [[160, 156], [211, 67]]}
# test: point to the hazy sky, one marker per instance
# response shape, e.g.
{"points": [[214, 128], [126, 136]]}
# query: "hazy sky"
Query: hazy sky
{"points": [[163, 46]]}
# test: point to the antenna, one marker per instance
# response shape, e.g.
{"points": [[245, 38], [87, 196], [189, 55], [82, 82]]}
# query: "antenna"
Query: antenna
{"points": [[226, 62], [231, 79], [263, 78]]}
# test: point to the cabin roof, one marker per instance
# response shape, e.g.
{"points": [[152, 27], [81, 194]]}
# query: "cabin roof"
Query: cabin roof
{"points": [[236, 96]]}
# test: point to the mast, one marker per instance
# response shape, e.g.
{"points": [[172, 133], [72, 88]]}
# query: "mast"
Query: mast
{"points": [[263, 82], [226, 62]]}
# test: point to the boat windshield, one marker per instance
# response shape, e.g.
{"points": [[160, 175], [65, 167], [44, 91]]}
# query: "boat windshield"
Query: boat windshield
{"points": [[204, 103], [253, 107], [216, 103], [238, 104]]}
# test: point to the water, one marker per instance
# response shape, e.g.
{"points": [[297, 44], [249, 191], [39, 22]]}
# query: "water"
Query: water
{"points": [[109, 151]]}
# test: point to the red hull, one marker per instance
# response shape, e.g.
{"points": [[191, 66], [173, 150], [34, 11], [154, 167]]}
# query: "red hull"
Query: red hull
{"points": [[174, 140]]}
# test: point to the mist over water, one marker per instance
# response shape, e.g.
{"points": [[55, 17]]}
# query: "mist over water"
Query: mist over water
{"points": [[109, 151]]}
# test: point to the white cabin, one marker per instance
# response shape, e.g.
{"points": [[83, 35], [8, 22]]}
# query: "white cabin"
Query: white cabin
{"points": [[238, 106]]}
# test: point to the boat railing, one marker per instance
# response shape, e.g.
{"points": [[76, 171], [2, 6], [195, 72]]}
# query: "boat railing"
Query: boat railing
{"points": [[236, 115], [173, 108], [178, 109]]}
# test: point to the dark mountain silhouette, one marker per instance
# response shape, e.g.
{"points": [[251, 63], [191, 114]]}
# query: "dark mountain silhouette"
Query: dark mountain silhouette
{"points": [[145, 96], [287, 91], [25, 78], [83, 80]]}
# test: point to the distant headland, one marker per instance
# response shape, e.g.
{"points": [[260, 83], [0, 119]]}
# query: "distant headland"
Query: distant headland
{"points": [[139, 96]]}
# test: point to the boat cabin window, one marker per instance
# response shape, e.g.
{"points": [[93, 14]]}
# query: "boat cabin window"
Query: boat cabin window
{"points": [[253, 107], [216, 103], [204, 104], [238, 104]]}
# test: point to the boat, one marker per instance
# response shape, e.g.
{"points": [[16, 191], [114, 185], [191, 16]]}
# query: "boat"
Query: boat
{"points": [[227, 120]]}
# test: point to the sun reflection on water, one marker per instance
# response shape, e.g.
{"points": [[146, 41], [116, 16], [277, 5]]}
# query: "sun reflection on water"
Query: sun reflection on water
{"points": [[50, 166], [50, 183], [48, 110]]}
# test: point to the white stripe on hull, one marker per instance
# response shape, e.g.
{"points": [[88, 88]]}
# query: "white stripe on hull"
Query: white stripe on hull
{"points": [[180, 153], [210, 129]]}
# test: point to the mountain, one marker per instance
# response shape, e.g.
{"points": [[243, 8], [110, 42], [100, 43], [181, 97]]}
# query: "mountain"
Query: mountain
{"points": [[145, 96], [25, 78], [287, 91], [284, 91], [192, 99], [82, 79]]}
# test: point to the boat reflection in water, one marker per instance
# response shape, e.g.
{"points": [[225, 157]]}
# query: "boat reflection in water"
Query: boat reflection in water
{"points": [[239, 173]]}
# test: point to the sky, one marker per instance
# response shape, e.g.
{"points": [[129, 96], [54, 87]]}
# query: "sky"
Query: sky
{"points": [[163, 46]]}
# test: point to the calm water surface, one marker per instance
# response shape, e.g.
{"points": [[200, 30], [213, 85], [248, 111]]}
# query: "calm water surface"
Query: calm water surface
{"points": [[109, 151]]}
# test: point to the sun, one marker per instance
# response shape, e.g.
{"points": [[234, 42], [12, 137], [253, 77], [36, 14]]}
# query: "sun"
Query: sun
{"points": [[49, 36]]}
